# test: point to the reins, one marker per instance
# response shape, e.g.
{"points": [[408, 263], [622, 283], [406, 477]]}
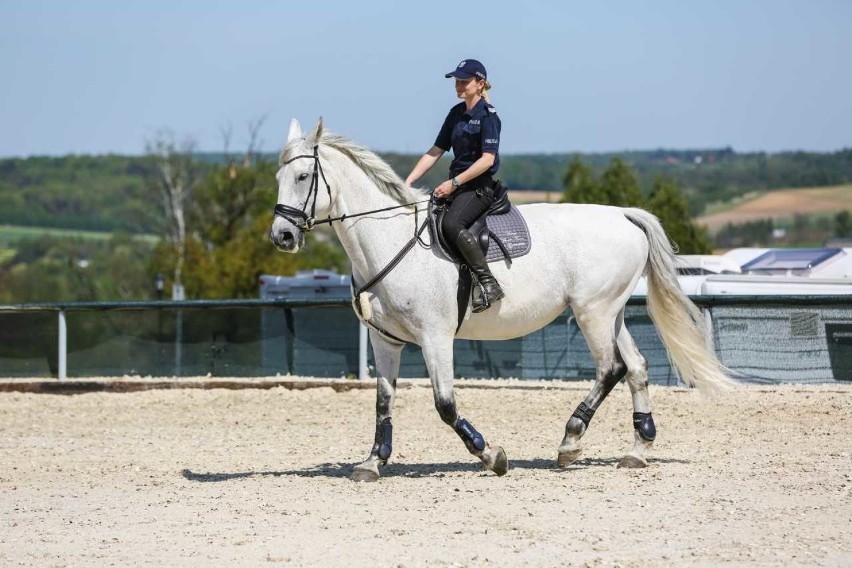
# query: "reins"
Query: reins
{"points": [[394, 261]]}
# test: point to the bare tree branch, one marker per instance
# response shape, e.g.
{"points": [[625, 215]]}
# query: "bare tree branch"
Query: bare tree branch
{"points": [[254, 125], [177, 174], [227, 133]]}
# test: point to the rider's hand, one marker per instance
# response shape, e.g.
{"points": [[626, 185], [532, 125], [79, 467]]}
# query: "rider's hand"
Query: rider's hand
{"points": [[445, 189]]}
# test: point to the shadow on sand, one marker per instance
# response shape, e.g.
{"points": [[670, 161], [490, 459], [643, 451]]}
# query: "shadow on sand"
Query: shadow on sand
{"points": [[415, 470]]}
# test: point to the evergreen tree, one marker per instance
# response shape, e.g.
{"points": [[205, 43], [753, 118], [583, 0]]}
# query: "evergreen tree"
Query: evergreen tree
{"points": [[619, 186], [580, 185], [668, 204]]}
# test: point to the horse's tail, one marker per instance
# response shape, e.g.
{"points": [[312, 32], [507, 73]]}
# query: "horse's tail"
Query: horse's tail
{"points": [[679, 322]]}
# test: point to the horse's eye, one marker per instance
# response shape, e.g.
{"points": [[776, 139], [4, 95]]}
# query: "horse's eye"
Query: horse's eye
{"points": [[303, 177]]}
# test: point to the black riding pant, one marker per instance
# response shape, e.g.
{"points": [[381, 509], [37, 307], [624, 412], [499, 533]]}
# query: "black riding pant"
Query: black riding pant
{"points": [[467, 205]]}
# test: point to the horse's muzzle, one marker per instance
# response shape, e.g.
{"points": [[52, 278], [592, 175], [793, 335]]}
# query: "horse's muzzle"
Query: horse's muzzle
{"points": [[286, 240]]}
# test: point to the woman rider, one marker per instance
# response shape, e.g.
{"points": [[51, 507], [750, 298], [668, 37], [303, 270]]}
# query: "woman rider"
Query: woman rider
{"points": [[472, 130]]}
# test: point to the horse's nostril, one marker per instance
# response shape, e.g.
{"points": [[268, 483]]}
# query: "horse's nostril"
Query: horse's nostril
{"points": [[287, 238]]}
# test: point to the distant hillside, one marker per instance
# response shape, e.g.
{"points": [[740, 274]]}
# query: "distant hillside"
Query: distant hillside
{"points": [[782, 204], [99, 193], [108, 193]]}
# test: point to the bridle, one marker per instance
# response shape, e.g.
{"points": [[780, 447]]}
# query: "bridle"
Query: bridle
{"points": [[305, 222]]}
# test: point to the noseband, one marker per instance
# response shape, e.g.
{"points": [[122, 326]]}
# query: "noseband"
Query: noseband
{"points": [[300, 217]]}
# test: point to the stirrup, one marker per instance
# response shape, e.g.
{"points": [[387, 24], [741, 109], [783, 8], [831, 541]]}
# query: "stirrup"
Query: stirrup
{"points": [[484, 301], [481, 303]]}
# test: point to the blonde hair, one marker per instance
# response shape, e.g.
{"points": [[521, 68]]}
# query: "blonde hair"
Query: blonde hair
{"points": [[485, 92]]}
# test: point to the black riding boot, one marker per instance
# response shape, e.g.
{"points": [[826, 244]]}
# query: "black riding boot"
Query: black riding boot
{"points": [[472, 253]]}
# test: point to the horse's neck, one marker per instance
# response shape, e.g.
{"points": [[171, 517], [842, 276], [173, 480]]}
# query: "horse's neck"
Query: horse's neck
{"points": [[371, 241]]}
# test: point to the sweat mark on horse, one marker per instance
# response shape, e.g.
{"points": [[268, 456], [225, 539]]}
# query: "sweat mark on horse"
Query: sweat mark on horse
{"points": [[588, 257]]}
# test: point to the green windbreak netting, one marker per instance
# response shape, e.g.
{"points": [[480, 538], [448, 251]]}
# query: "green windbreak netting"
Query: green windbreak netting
{"points": [[764, 344], [28, 344]]}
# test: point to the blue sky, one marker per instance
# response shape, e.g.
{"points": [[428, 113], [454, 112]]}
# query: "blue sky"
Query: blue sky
{"points": [[103, 76]]}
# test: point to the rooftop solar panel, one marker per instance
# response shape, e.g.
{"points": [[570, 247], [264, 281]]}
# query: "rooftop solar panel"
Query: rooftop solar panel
{"points": [[790, 259]]}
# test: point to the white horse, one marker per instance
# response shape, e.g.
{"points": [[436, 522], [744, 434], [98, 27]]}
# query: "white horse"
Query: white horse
{"points": [[587, 257]]}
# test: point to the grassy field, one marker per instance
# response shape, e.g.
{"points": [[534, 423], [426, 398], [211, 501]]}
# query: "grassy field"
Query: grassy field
{"points": [[9, 234], [781, 204]]}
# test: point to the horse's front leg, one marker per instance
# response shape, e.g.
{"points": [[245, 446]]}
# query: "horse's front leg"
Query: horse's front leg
{"points": [[439, 361], [387, 357]]}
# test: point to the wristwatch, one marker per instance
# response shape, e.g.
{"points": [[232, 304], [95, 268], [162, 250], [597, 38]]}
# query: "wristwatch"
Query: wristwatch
{"points": [[455, 182]]}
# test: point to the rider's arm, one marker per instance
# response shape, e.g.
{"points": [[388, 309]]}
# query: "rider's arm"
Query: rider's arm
{"points": [[425, 163], [479, 167]]}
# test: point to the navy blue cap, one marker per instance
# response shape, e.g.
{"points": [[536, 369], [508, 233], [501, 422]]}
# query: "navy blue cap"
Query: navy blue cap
{"points": [[468, 68]]}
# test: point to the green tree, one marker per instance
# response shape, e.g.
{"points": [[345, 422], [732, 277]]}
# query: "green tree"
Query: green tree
{"points": [[843, 224], [228, 221], [619, 186], [667, 202], [229, 199], [74, 269], [580, 184]]}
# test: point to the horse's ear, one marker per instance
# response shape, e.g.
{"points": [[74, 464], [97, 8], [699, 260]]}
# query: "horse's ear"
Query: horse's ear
{"points": [[317, 134], [295, 130]]}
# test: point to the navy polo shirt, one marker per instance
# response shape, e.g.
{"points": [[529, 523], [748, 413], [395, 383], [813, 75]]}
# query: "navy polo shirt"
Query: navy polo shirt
{"points": [[469, 134]]}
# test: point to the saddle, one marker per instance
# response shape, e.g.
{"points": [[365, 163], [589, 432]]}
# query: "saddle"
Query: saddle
{"points": [[501, 232]]}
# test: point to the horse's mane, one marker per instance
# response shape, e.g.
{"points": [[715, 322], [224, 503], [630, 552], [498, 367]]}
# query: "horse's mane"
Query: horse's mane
{"points": [[369, 162]]}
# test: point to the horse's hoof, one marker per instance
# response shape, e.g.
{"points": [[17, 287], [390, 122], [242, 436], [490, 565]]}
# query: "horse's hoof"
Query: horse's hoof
{"points": [[365, 474], [501, 462], [567, 458], [632, 462]]}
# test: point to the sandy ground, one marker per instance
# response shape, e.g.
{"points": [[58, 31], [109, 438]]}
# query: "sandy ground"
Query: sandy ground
{"points": [[783, 204], [260, 477]]}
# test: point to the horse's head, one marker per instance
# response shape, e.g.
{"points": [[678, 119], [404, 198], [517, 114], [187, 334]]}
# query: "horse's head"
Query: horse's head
{"points": [[302, 194]]}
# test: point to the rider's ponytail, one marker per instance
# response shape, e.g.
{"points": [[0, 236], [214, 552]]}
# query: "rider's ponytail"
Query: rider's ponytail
{"points": [[485, 92]]}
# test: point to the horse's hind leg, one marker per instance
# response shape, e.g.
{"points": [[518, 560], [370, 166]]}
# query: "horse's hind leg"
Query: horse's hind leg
{"points": [[439, 360], [600, 334], [644, 430], [387, 357]]}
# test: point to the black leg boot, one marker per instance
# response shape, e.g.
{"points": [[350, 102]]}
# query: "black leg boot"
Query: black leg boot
{"points": [[472, 253]]}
